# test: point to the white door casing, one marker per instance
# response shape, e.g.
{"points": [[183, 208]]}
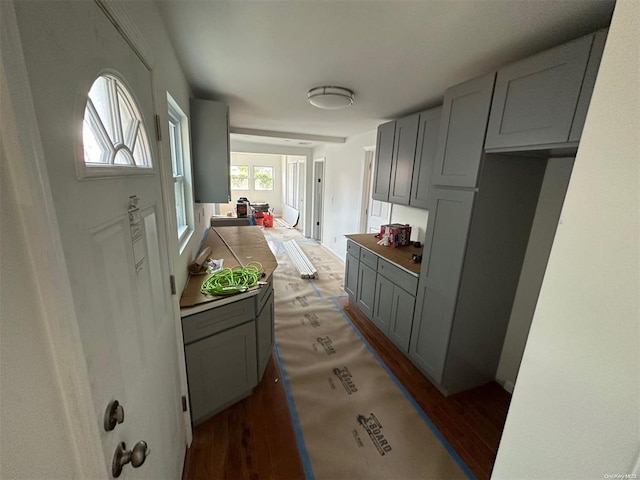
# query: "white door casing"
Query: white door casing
{"points": [[375, 212], [318, 197], [124, 314]]}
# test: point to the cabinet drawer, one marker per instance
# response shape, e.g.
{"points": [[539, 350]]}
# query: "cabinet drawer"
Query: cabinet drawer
{"points": [[201, 325], [369, 258], [402, 279], [353, 248]]}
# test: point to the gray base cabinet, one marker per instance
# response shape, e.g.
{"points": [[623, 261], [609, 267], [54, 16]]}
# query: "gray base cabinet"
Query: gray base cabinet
{"points": [[386, 295], [383, 304], [265, 332], [227, 349], [475, 246], [401, 321], [443, 257], [536, 99], [351, 265], [221, 369], [366, 293]]}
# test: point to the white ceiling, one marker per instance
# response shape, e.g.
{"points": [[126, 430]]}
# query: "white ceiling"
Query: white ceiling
{"points": [[261, 57]]}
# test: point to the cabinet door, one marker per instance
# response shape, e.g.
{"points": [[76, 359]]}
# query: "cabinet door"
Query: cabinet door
{"points": [[442, 261], [382, 303], [265, 335], [384, 154], [425, 153], [221, 369], [209, 123], [465, 113], [587, 85], [404, 154], [366, 289], [351, 276], [535, 99], [401, 318]]}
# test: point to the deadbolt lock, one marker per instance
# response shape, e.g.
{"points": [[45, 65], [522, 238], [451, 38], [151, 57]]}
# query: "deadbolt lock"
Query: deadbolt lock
{"points": [[113, 415]]}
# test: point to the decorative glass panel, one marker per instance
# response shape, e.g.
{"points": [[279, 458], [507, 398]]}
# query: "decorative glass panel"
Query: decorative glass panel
{"points": [[113, 133]]}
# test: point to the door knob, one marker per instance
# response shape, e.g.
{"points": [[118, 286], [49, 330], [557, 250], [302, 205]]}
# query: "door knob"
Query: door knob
{"points": [[113, 415], [136, 456]]}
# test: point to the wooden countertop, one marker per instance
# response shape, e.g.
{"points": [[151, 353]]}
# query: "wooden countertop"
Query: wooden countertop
{"points": [[400, 256], [248, 244]]}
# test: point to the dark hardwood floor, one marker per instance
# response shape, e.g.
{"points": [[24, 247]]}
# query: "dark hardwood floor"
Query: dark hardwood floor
{"points": [[254, 439]]}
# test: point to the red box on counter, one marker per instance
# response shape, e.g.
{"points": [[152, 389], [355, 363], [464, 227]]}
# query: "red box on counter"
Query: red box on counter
{"points": [[399, 234]]}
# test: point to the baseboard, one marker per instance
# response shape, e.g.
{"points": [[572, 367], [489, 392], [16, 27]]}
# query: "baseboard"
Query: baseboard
{"points": [[508, 386]]}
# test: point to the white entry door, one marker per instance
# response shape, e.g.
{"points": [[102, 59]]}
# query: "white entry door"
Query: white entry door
{"points": [[117, 264]]}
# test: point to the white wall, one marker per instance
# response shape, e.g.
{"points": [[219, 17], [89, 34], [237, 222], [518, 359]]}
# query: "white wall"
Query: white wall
{"points": [[343, 177], [575, 408], [34, 440], [543, 228], [416, 217]]}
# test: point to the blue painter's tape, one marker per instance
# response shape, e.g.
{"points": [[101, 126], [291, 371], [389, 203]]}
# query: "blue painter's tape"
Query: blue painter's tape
{"points": [[408, 396], [314, 288], [302, 447]]}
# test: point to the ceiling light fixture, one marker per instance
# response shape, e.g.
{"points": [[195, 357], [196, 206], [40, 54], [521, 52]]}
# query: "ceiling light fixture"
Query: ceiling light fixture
{"points": [[330, 98]]}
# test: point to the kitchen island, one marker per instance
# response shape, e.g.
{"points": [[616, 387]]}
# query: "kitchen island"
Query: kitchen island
{"points": [[228, 339]]}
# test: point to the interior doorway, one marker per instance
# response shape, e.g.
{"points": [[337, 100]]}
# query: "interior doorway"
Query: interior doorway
{"points": [[318, 197], [374, 212]]}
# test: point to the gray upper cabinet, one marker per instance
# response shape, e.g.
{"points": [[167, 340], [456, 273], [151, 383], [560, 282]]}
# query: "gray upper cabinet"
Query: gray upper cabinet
{"points": [[404, 153], [211, 155], [465, 113], [425, 153], [384, 155], [536, 98], [587, 85], [443, 257]]}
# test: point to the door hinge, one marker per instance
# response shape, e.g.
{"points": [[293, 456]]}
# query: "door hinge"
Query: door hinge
{"points": [[172, 281], [158, 131], [184, 403], [318, 223], [319, 180]]}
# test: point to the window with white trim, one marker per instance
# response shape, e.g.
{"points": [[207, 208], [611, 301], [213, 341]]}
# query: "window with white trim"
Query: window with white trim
{"points": [[180, 166], [262, 178], [113, 133], [239, 177]]}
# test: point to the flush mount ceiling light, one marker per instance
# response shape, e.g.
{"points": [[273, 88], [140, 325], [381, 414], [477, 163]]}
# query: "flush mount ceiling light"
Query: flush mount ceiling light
{"points": [[330, 98]]}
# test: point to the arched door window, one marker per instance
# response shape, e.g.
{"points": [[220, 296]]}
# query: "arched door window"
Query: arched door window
{"points": [[113, 133]]}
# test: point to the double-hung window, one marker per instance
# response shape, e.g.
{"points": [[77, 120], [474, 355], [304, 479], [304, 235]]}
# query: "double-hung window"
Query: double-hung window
{"points": [[178, 132]]}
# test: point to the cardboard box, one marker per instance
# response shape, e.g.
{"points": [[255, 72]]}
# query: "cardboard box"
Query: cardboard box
{"points": [[399, 234]]}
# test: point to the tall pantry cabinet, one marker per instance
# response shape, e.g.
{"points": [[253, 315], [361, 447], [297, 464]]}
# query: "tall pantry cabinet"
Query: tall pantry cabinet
{"points": [[482, 200], [478, 229]]}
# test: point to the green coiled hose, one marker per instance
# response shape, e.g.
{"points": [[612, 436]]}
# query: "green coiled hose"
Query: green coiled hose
{"points": [[232, 280]]}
